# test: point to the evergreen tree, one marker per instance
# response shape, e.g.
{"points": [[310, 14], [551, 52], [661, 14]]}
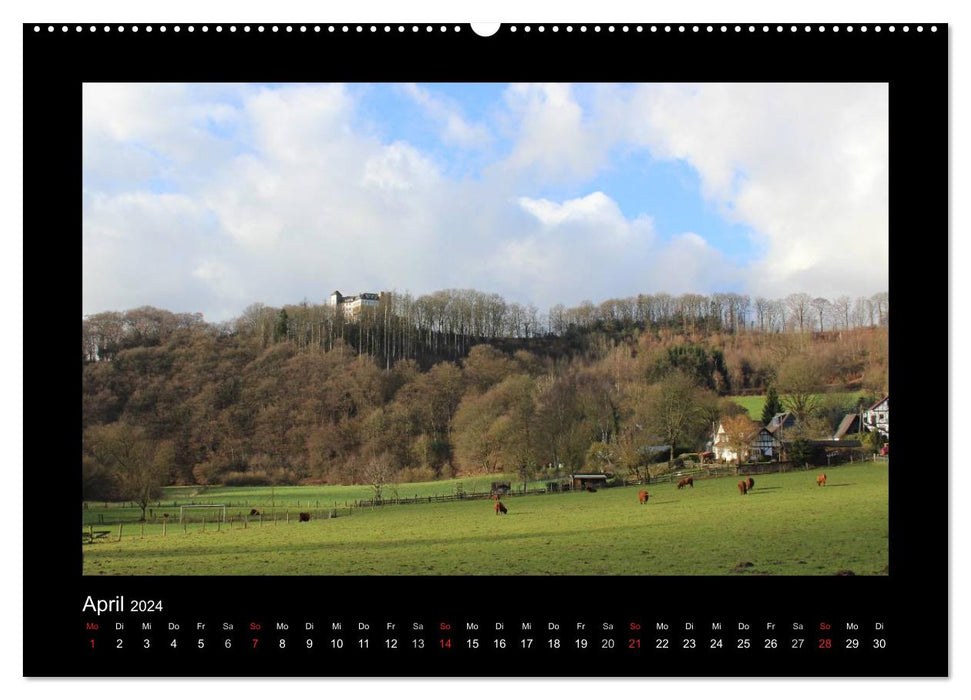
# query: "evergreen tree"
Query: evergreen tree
{"points": [[772, 405], [282, 325]]}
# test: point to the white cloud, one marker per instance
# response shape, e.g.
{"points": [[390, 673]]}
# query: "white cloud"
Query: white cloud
{"points": [[594, 208], [399, 167], [170, 123], [804, 165], [585, 248], [282, 194], [455, 129], [553, 141], [140, 248]]}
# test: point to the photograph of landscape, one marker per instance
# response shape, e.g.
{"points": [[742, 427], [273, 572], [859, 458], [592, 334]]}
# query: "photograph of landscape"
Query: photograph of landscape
{"points": [[485, 329]]}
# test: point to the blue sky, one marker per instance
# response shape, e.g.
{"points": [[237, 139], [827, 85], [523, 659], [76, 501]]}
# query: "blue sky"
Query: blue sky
{"points": [[211, 197]]}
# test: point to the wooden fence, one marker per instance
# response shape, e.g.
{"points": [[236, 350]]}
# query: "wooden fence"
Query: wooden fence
{"points": [[445, 498], [239, 515]]}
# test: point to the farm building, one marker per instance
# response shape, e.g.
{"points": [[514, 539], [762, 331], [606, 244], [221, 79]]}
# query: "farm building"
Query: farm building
{"points": [[580, 482], [655, 453], [877, 417], [850, 425], [501, 488], [761, 444], [833, 450], [781, 422]]}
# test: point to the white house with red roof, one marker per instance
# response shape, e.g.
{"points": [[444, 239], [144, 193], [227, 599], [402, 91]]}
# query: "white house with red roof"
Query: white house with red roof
{"points": [[877, 417]]}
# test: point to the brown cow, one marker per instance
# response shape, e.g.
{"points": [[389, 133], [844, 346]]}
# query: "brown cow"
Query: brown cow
{"points": [[253, 511], [743, 487], [686, 482], [749, 483], [304, 517], [501, 508], [821, 480], [642, 496]]}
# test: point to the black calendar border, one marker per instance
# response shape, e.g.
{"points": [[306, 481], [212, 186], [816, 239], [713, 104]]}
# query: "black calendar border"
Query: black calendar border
{"points": [[914, 596]]}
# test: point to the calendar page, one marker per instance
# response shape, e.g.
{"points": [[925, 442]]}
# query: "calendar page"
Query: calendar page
{"points": [[452, 350]]}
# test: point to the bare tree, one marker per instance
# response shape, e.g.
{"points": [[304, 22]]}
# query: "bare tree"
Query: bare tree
{"points": [[860, 312], [800, 379], [739, 431], [821, 306], [841, 307], [798, 305], [881, 304], [138, 465], [672, 409], [379, 472], [762, 312]]}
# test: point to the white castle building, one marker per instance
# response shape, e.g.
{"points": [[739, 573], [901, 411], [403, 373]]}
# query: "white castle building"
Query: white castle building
{"points": [[351, 306]]}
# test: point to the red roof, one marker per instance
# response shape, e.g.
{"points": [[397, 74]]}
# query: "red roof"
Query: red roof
{"points": [[879, 402]]}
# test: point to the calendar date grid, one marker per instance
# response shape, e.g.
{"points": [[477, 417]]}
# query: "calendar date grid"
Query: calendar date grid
{"points": [[452, 636]]}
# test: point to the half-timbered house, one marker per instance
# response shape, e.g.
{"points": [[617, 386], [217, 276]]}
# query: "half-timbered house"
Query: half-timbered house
{"points": [[877, 417]]}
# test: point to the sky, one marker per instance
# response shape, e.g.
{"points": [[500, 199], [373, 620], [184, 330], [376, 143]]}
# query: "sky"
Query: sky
{"points": [[208, 198]]}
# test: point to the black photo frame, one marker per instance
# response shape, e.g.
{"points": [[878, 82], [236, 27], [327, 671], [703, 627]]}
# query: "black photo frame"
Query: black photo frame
{"points": [[911, 599]]}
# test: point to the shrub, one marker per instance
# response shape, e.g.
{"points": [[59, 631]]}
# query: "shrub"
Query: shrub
{"points": [[208, 472], [282, 477], [801, 452], [246, 479], [410, 474]]}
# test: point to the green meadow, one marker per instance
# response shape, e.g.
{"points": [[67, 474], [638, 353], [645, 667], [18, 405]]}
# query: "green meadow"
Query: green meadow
{"points": [[785, 526], [754, 404]]}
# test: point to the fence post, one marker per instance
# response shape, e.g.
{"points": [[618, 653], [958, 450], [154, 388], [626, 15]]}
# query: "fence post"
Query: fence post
{"points": [[245, 522], [91, 533], [121, 528], [164, 523], [219, 524], [288, 512]]}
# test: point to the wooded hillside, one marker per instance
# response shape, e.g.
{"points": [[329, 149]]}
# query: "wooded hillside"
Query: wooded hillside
{"points": [[449, 383]]}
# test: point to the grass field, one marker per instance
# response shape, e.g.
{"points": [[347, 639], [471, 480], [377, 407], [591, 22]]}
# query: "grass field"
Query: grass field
{"points": [[240, 499], [754, 404], [786, 526]]}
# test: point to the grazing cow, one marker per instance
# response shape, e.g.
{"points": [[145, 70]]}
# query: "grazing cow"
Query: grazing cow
{"points": [[749, 483], [743, 487], [643, 496], [501, 508], [305, 517], [821, 480], [686, 482], [253, 511], [494, 497]]}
